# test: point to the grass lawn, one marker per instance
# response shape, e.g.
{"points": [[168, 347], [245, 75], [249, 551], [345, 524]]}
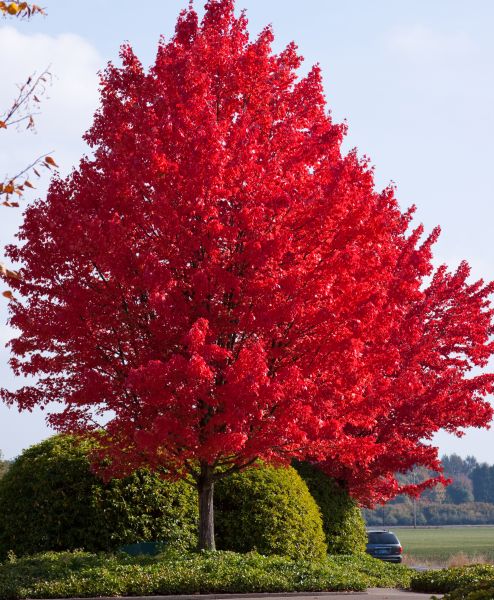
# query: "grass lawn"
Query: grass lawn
{"points": [[439, 544]]}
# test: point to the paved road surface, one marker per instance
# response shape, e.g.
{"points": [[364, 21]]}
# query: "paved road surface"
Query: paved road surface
{"points": [[371, 594]]}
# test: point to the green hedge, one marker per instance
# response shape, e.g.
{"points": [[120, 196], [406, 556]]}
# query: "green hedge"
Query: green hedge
{"points": [[342, 520], [270, 510], [50, 500], [78, 574]]}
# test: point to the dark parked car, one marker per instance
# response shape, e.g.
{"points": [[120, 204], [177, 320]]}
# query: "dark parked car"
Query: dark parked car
{"points": [[385, 545]]}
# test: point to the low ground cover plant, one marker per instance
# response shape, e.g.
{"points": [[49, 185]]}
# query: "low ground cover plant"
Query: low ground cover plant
{"points": [[453, 580], [482, 590], [82, 574]]}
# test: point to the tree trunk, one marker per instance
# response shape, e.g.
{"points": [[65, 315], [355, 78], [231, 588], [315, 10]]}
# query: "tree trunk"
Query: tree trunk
{"points": [[205, 487]]}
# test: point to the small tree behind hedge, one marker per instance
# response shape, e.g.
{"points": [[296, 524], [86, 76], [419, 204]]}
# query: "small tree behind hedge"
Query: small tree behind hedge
{"points": [[4, 465], [342, 520], [270, 510], [50, 500]]}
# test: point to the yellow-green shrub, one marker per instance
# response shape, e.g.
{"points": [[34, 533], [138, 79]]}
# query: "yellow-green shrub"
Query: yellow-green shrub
{"points": [[270, 510]]}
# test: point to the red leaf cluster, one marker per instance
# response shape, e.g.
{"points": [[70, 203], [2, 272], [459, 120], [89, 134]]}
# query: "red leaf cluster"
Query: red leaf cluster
{"points": [[220, 283]]}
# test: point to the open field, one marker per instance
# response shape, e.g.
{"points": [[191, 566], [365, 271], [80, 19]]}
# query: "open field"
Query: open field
{"points": [[437, 545]]}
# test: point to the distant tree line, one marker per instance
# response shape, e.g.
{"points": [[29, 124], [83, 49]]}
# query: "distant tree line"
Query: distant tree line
{"points": [[469, 513], [468, 500]]}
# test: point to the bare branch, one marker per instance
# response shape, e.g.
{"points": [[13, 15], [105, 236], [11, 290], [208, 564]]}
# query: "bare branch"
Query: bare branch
{"points": [[28, 93]]}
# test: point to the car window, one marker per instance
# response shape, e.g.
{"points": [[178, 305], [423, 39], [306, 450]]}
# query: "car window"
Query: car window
{"points": [[382, 537]]}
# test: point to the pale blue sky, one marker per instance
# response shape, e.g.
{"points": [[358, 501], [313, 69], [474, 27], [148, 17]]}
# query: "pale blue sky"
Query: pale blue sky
{"points": [[414, 80]]}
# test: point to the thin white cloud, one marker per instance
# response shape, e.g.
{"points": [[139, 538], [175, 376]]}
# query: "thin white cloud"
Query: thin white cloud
{"points": [[419, 42]]}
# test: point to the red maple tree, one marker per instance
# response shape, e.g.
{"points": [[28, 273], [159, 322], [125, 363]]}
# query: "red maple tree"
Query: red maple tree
{"points": [[218, 283]]}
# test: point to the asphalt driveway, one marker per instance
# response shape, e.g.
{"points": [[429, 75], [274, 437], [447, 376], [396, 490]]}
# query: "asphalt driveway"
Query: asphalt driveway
{"points": [[372, 594]]}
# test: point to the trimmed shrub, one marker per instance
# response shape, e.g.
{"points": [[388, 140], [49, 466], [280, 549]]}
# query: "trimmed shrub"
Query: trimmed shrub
{"points": [[342, 520], [269, 510], [50, 500]]}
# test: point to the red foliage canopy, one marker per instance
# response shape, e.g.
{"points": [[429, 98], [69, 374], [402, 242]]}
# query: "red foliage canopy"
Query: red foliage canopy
{"points": [[219, 283]]}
